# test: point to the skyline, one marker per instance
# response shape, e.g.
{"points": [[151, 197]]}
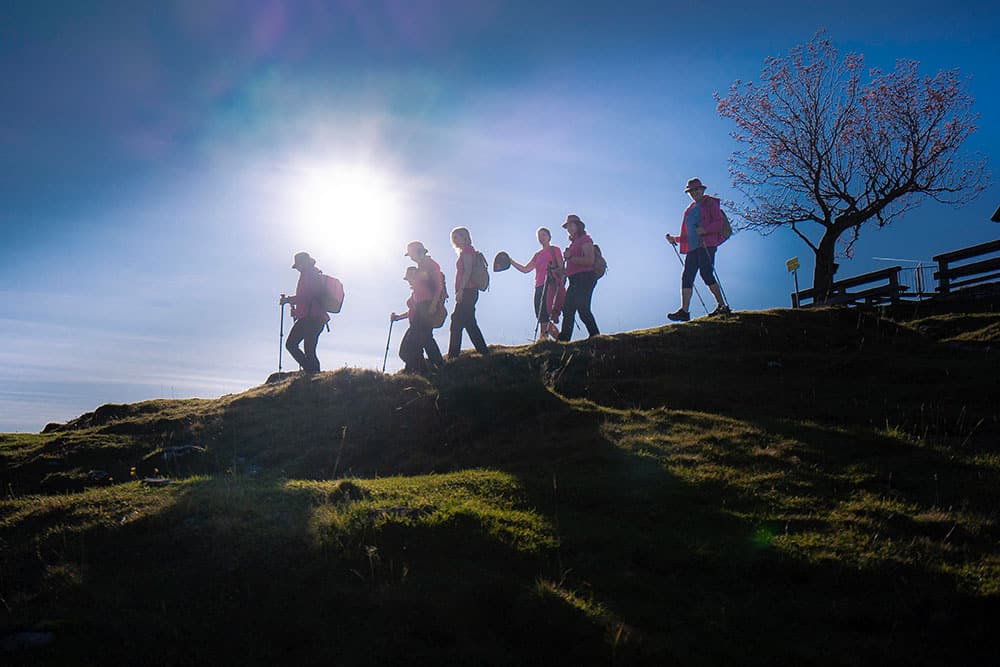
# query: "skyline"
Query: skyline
{"points": [[162, 164]]}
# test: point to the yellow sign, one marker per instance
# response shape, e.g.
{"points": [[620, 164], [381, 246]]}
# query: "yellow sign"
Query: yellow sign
{"points": [[792, 264]]}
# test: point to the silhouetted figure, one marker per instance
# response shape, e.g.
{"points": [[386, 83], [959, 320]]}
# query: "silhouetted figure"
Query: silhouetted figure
{"points": [[701, 233], [419, 337], [550, 276], [580, 256], [308, 313], [466, 296]]}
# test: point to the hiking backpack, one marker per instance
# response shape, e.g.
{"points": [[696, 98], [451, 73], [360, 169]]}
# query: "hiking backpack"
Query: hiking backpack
{"points": [[331, 297], [727, 230], [439, 313], [600, 264], [480, 273]]}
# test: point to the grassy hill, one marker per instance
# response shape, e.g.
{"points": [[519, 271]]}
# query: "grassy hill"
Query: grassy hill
{"points": [[782, 487]]}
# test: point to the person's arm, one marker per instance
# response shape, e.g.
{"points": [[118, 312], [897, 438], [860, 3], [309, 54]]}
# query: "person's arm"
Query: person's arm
{"points": [[523, 268], [438, 279], [557, 266]]}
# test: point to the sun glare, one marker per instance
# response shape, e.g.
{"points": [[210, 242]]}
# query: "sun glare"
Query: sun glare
{"points": [[347, 210]]}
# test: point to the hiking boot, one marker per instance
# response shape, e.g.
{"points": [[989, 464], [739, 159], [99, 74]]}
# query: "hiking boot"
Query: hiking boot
{"points": [[680, 315], [721, 309]]}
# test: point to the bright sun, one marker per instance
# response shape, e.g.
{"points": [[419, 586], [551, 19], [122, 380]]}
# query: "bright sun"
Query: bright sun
{"points": [[350, 209]]}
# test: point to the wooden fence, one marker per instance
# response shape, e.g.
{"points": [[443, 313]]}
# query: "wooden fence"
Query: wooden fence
{"points": [[884, 288], [951, 275]]}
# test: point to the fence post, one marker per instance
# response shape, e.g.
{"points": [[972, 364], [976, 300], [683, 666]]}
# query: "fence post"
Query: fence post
{"points": [[943, 286]]}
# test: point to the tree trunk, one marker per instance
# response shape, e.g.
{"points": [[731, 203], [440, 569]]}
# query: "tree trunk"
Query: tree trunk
{"points": [[823, 272]]}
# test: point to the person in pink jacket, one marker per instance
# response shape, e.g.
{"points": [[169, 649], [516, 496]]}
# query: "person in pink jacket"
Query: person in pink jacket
{"points": [[309, 315], [701, 234], [463, 318], [580, 257], [549, 270]]}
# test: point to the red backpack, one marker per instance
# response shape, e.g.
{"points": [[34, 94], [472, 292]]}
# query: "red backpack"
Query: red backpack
{"points": [[331, 298]]}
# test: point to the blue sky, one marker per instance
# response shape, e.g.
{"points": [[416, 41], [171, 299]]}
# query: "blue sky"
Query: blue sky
{"points": [[160, 163]]}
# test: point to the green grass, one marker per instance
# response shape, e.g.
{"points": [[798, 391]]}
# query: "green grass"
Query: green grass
{"points": [[779, 487]]}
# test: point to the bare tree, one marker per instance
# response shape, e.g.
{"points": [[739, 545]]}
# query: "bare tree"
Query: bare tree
{"points": [[826, 153]]}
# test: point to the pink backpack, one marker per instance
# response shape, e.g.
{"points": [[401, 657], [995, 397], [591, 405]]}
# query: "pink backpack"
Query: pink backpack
{"points": [[331, 298]]}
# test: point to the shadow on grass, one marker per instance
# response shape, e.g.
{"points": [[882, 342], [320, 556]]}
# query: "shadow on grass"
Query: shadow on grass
{"points": [[736, 537]]}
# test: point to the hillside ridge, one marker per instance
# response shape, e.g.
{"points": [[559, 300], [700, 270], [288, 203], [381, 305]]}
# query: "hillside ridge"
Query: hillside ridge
{"points": [[777, 486]]}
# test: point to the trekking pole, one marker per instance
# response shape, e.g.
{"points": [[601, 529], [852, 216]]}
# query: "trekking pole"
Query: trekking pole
{"points": [[542, 304], [388, 340], [697, 293], [281, 332], [725, 299]]}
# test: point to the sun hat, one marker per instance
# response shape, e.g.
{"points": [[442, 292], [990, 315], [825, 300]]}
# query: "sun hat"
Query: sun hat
{"points": [[501, 262], [694, 184], [415, 246], [573, 218], [303, 259]]}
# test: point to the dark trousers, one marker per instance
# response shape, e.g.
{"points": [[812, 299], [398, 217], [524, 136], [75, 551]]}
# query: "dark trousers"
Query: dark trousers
{"points": [[306, 330], [541, 305], [578, 295], [700, 260], [418, 339], [464, 318]]}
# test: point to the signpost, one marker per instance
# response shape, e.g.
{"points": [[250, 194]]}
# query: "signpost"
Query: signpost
{"points": [[793, 268]]}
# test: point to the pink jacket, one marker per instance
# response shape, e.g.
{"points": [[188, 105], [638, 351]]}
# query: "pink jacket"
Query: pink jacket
{"points": [[575, 249], [429, 280], [467, 251], [305, 303], [711, 223]]}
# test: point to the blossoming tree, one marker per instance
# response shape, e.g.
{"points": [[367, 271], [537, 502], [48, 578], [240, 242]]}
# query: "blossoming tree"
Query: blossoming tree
{"points": [[826, 153]]}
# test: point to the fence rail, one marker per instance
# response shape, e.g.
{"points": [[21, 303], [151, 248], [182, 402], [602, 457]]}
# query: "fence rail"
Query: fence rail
{"points": [[879, 287], [951, 274]]}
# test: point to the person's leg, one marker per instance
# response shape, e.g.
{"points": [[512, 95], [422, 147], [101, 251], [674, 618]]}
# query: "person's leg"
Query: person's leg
{"points": [[717, 293], [458, 320], [691, 262], [686, 299], [309, 343], [423, 332], [295, 336], [588, 283], [569, 308], [538, 301], [406, 350], [475, 335], [708, 275], [554, 300]]}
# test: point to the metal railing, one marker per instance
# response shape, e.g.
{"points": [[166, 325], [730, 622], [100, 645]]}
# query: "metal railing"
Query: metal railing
{"points": [[917, 279]]}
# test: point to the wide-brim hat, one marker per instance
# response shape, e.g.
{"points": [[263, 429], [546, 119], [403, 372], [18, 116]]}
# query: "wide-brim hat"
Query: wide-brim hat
{"points": [[694, 184], [302, 259], [415, 245], [573, 218], [501, 262]]}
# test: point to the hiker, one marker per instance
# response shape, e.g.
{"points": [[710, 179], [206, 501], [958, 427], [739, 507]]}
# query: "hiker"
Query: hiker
{"points": [[580, 258], [466, 295], [419, 337], [549, 278], [701, 234], [308, 313]]}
